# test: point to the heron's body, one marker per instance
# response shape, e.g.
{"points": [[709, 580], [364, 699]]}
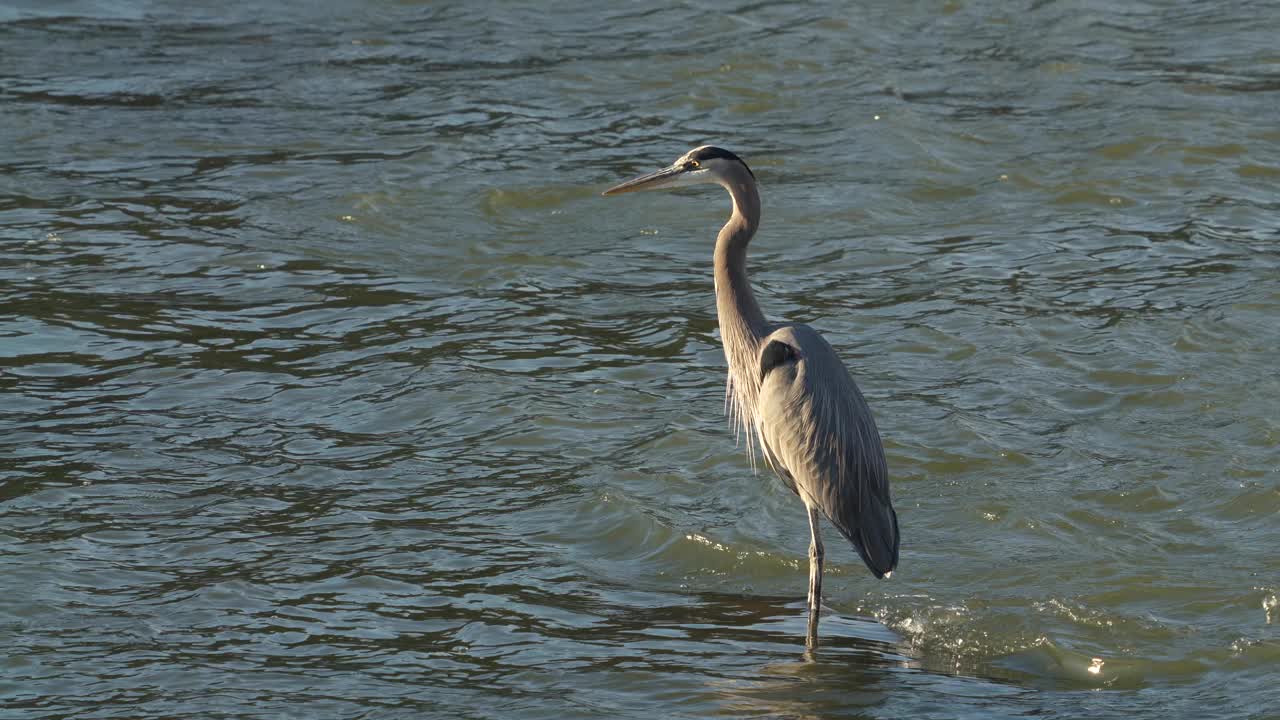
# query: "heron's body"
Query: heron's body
{"points": [[789, 390]]}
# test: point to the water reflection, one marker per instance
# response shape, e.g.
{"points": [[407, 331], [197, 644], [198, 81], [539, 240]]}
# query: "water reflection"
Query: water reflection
{"points": [[755, 645]]}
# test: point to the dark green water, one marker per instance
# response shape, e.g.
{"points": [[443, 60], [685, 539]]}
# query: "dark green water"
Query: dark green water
{"points": [[332, 388]]}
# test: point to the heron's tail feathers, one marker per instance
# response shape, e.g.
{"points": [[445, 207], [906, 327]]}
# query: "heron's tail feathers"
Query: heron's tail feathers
{"points": [[875, 536]]}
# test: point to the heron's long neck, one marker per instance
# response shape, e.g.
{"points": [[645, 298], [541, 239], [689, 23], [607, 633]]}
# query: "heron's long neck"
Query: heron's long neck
{"points": [[735, 303], [742, 324]]}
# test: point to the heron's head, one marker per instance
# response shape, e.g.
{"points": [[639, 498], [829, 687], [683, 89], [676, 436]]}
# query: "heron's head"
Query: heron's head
{"points": [[706, 164]]}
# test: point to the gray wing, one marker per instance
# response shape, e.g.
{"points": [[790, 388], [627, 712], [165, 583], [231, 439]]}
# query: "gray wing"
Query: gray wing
{"points": [[818, 434]]}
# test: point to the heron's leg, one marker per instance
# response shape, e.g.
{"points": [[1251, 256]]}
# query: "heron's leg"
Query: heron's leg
{"points": [[815, 579]]}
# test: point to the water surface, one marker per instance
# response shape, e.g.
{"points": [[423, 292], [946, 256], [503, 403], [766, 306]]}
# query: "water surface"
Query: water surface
{"points": [[332, 388]]}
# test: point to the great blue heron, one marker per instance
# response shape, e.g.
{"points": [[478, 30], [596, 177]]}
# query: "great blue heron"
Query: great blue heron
{"points": [[788, 389]]}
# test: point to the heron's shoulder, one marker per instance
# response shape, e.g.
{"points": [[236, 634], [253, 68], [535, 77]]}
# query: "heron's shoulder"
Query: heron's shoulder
{"points": [[800, 336]]}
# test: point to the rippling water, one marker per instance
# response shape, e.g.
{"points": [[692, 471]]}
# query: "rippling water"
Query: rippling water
{"points": [[333, 389]]}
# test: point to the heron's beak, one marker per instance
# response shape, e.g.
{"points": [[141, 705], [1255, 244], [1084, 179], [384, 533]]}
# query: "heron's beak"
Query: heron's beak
{"points": [[666, 177]]}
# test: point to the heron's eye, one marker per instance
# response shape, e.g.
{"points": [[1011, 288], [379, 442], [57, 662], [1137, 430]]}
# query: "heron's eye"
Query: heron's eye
{"points": [[692, 165]]}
